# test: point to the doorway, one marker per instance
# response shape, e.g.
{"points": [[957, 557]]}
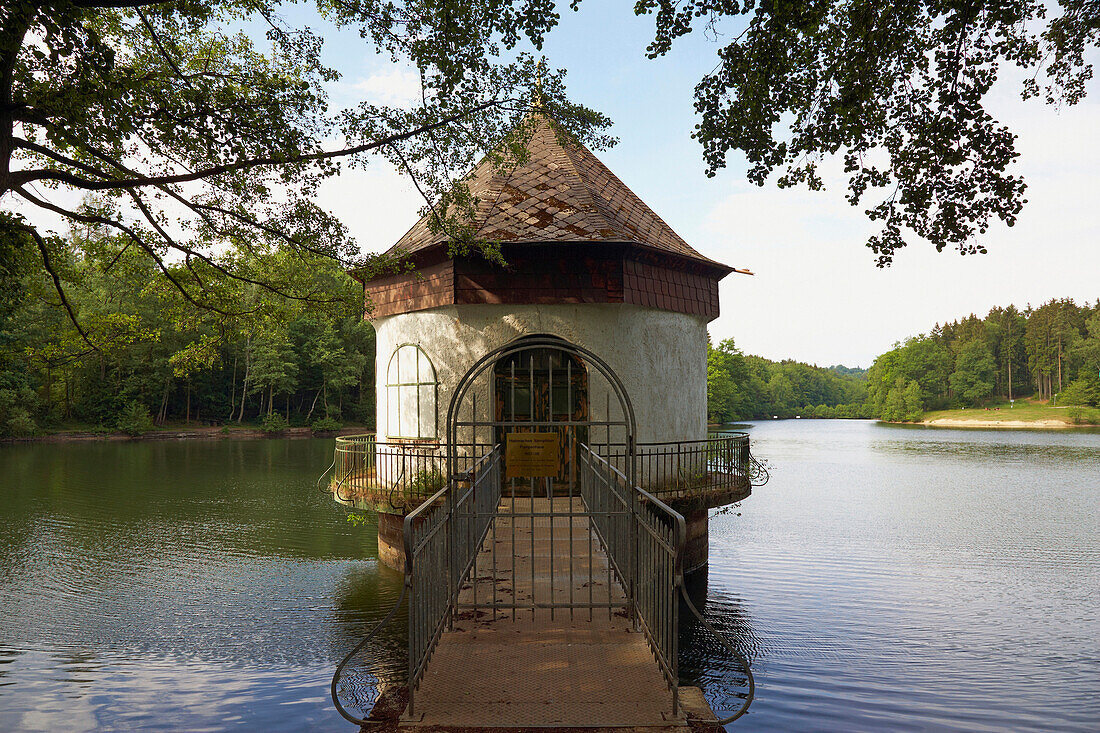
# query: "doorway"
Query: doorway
{"points": [[543, 389]]}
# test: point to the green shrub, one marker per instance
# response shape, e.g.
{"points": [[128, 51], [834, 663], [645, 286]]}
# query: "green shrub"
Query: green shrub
{"points": [[427, 482], [326, 425], [20, 424], [15, 417], [273, 423], [135, 419]]}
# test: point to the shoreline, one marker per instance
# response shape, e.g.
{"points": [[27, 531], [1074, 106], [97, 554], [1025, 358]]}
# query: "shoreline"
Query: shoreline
{"points": [[1046, 424], [195, 433]]}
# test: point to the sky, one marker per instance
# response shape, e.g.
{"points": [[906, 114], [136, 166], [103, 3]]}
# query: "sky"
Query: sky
{"points": [[816, 295]]}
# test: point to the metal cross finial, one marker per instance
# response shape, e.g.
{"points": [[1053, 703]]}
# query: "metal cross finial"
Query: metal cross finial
{"points": [[540, 103]]}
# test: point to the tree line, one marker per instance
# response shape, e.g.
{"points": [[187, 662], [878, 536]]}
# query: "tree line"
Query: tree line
{"points": [[1042, 353], [145, 355], [741, 387], [1052, 350], [148, 356]]}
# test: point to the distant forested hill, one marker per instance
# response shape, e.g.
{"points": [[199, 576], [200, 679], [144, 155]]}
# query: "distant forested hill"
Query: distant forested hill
{"points": [[743, 387], [1011, 353], [848, 371]]}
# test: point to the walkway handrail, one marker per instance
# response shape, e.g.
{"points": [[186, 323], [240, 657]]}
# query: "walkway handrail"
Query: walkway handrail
{"points": [[441, 539], [648, 556], [681, 538], [738, 656], [334, 686]]}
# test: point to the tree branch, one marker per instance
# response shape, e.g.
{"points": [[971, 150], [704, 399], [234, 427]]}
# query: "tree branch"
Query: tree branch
{"points": [[34, 147], [117, 3], [20, 178], [48, 264], [129, 232]]}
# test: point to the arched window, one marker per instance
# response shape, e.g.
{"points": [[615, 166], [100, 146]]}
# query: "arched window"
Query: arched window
{"points": [[410, 394]]}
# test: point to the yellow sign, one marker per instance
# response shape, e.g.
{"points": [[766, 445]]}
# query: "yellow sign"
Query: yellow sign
{"points": [[532, 454]]}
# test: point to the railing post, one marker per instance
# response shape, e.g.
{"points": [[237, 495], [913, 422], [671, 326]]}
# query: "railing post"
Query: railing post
{"points": [[450, 549]]}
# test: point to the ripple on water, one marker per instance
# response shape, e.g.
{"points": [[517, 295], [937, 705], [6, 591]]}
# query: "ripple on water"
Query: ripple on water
{"points": [[910, 580], [885, 579]]}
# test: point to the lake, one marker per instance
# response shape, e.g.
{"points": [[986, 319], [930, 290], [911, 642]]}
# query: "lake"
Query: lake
{"points": [[887, 578]]}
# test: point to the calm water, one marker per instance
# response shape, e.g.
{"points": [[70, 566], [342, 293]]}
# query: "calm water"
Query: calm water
{"points": [[886, 579]]}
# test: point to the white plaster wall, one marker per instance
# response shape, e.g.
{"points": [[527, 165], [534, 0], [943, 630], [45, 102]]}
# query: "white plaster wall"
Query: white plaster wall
{"points": [[659, 356]]}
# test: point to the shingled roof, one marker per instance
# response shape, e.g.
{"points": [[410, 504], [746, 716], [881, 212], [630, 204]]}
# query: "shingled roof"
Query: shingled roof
{"points": [[563, 193]]}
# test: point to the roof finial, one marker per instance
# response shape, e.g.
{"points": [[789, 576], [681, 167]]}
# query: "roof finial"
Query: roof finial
{"points": [[540, 102]]}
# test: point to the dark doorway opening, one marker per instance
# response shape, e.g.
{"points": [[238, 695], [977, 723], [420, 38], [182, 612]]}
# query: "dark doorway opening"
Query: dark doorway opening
{"points": [[536, 389]]}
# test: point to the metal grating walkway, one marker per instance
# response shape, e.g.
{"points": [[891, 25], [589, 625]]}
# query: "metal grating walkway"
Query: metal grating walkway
{"points": [[581, 668]]}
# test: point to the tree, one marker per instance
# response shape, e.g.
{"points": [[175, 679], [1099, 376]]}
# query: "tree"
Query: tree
{"points": [[914, 403], [720, 393], [972, 380], [274, 368], [1006, 329], [926, 360], [893, 409], [190, 136], [337, 367], [897, 89]]}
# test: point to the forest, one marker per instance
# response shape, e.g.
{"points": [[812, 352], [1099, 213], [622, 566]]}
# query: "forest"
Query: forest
{"points": [[1044, 353], [145, 355]]}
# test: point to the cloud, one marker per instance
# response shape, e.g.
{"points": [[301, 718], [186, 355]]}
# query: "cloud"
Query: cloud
{"points": [[818, 297], [394, 87]]}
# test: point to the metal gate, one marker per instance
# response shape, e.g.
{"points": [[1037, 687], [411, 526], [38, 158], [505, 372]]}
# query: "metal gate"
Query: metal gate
{"points": [[565, 545]]}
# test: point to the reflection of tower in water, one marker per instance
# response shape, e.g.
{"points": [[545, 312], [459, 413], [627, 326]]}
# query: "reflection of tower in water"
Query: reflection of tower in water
{"points": [[704, 662]]}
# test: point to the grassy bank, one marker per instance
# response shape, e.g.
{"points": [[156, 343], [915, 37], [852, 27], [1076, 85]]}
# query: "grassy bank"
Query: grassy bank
{"points": [[1022, 414]]}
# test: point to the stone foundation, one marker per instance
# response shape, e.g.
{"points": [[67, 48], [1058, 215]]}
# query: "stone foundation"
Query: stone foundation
{"points": [[391, 543], [697, 547]]}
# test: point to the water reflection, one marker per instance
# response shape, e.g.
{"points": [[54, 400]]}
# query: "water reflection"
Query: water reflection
{"points": [[911, 579], [704, 662], [885, 579], [176, 586]]}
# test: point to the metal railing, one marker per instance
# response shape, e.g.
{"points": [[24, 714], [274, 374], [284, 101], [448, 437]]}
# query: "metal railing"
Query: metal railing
{"points": [[353, 459], [442, 538], [645, 542], [398, 476], [642, 536], [404, 475], [685, 469]]}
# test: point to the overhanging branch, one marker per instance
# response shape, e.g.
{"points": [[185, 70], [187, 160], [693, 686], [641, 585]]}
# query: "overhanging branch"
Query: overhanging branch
{"points": [[19, 178]]}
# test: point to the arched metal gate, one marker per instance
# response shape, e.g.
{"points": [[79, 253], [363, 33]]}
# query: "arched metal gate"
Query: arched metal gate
{"points": [[535, 522]]}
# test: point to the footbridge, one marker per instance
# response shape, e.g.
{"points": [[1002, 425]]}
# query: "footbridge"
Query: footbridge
{"points": [[543, 585]]}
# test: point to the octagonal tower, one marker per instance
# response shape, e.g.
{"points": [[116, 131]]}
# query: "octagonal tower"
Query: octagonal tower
{"points": [[587, 262]]}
